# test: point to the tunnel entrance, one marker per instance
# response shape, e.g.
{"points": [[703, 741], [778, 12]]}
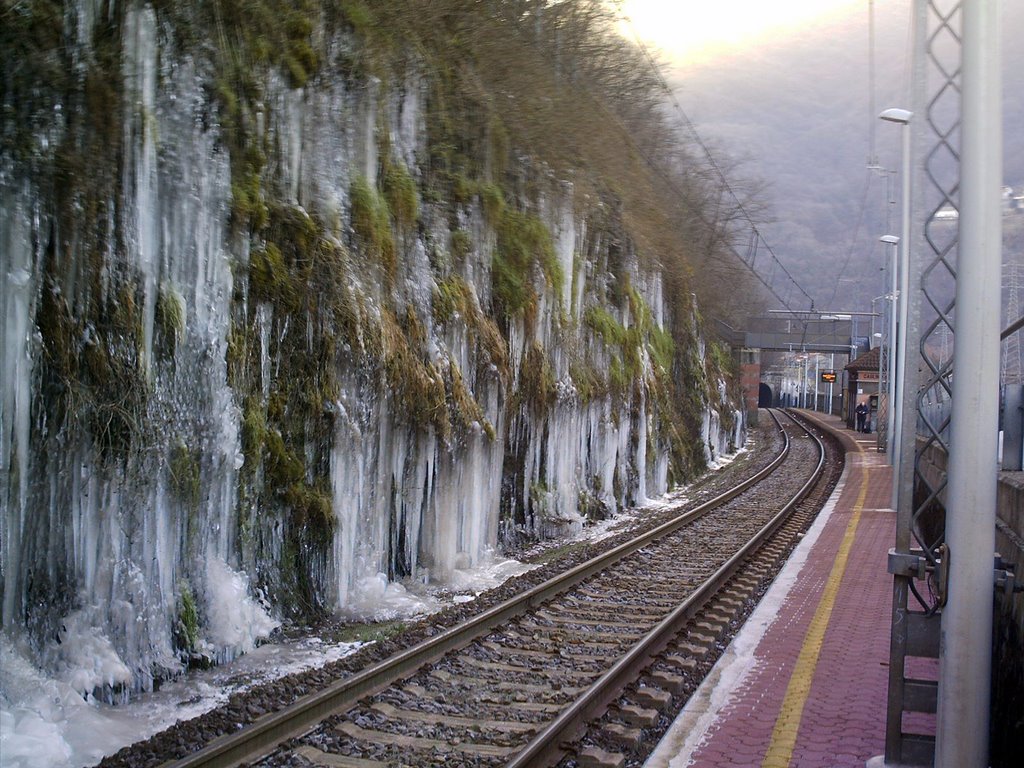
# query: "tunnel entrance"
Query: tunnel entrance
{"points": [[764, 396]]}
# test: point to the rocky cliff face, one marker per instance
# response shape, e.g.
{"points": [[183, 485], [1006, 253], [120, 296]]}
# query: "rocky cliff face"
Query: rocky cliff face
{"points": [[272, 340]]}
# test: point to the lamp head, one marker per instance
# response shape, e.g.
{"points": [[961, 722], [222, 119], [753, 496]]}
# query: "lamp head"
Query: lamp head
{"points": [[890, 239], [896, 115]]}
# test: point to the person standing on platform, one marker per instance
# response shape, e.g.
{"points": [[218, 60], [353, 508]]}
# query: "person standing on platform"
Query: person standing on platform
{"points": [[862, 414]]}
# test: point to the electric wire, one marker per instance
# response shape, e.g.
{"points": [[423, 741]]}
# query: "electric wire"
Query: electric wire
{"points": [[692, 130]]}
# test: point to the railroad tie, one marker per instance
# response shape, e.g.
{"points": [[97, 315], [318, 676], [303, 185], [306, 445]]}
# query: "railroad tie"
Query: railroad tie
{"points": [[316, 757], [453, 721], [623, 734], [592, 757], [716, 617], [652, 697], [730, 601], [699, 638], [682, 663], [639, 716], [710, 627], [668, 681], [577, 652], [495, 666], [480, 681], [424, 744]]}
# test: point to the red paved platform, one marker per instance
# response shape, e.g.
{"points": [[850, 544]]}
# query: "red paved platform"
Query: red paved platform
{"points": [[804, 684]]}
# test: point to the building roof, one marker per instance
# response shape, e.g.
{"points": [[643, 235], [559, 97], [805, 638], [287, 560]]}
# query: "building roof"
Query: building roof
{"points": [[866, 362]]}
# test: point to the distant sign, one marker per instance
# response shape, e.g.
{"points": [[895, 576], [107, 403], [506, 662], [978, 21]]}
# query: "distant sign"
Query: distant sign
{"points": [[828, 377]]}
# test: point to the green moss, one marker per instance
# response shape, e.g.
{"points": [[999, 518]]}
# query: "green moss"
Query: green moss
{"points": [[254, 431], [93, 376], [523, 242], [358, 15], [247, 206], [662, 349], [370, 220], [588, 381], [493, 202], [462, 189], [170, 310], [270, 279], [371, 633], [400, 193], [187, 624], [510, 287], [604, 324], [493, 343], [416, 384], [312, 509], [720, 358], [283, 468], [462, 244], [536, 379], [299, 59], [618, 377], [183, 469], [466, 411], [452, 297]]}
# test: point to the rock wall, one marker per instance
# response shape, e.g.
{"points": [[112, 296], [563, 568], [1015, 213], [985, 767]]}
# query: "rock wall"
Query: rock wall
{"points": [[258, 362]]}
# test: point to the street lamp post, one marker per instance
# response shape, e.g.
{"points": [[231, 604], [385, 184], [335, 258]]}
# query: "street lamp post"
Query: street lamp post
{"points": [[903, 117], [892, 443]]}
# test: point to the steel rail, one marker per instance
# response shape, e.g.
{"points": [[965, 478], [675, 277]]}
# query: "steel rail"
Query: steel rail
{"points": [[257, 739], [548, 746]]}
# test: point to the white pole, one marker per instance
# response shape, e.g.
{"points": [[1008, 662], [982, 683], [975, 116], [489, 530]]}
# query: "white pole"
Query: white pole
{"points": [[815, 382], [831, 367], [900, 371], [965, 643], [803, 388], [894, 299], [903, 117], [889, 340]]}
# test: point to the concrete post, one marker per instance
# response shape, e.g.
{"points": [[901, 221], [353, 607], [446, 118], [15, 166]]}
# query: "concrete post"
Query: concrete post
{"points": [[965, 646], [1013, 427]]}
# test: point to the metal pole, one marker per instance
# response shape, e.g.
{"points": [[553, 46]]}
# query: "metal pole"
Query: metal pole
{"points": [[906, 444], [1013, 428], [831, 367], [965, 646], [890, 339], [803, 387], [900, 332], [815, 382], [903, 117], [894, 298]]}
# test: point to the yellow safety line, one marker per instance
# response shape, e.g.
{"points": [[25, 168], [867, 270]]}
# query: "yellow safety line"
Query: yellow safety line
{"points": [[780, 750]]}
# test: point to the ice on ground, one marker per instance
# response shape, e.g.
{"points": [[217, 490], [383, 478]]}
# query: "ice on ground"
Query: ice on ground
{"points": [[46, 723]]}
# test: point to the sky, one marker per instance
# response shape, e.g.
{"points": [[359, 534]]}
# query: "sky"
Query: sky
{"points": [[697, 31], [784, 89]]}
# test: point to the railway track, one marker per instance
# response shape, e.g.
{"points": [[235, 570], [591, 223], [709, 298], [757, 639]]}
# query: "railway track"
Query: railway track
{"points": [[615, 641]]}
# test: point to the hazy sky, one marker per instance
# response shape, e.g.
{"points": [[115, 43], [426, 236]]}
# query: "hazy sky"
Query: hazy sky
{"points": [[784, 86], [697, 31]]}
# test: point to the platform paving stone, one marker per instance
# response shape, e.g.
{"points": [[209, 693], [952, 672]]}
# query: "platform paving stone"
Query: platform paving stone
{"points": [[832, 712]]}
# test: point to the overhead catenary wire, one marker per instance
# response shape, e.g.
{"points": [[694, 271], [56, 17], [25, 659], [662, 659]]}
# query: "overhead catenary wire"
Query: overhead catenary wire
{"points": [[756, 236]]}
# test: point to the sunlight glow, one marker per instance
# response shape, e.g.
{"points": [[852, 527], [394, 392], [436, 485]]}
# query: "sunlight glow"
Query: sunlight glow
{"points": [[694, 31]]}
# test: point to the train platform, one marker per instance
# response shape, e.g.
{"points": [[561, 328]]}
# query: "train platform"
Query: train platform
{"points": [[804, 683]]}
